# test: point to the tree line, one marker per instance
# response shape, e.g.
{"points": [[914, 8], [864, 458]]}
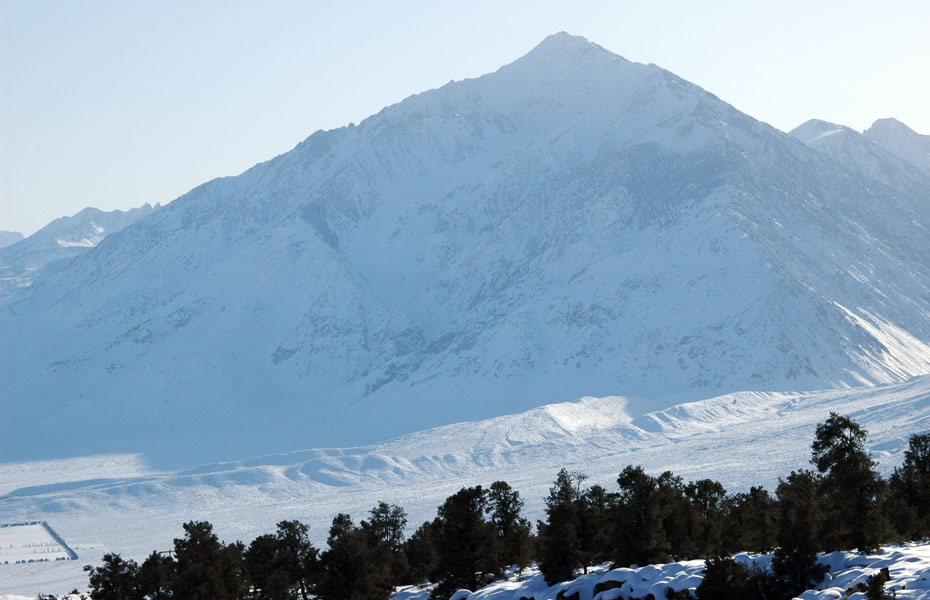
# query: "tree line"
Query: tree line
{"points": [[479, 533]]}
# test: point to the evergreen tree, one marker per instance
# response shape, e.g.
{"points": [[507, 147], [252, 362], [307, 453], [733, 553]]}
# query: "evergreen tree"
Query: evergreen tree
{"points": [[725, 579], [350, 568], [799, 518], [466, 544], [910, 489], [644, 510], [298, 558], [155, 576], [513, 531], [705, 517], [206, 568], [385, 530], [115, 579], [422, 558], [749, 523], [852, 489], [560, 535], [282, 565], [594, 516], [262, 566]]}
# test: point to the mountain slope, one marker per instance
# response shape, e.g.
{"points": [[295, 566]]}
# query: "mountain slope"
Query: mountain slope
{"points": [[572, 224], [901, 140], [61, 240]]}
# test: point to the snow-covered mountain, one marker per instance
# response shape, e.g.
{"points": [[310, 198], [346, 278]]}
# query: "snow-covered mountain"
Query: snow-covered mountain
{"points": [[901, 140], [860, 153], [60, 240], [8, 238], [573, 224]]}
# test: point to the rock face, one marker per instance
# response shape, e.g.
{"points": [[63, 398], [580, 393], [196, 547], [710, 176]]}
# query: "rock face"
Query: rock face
{"points": [[572, 224]]}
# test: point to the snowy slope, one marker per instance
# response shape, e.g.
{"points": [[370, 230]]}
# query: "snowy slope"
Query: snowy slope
{"points": [[740, 439], [901, 140], [860, 153], [8, 238], [61, 240], [573, 224]]}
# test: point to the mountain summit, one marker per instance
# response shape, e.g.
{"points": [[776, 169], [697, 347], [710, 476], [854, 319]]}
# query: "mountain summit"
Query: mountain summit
{"points": [[572, 224], [901, 140]]}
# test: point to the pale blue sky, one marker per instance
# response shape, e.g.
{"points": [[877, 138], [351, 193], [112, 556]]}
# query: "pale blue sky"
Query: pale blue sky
{"points": [[113, 104]]}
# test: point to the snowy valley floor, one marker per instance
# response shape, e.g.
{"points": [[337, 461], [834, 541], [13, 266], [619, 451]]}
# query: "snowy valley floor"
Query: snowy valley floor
{"points": [[111, 504]]}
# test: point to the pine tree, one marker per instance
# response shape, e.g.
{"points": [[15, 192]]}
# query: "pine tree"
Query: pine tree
{"points": [[155, 576], [513, 531], [725, 579], [282, 565], [705, 516], [206, 568], [263, 571], [420, 550], [646, 509], [800, 519], [852, 489], [385, 530], [466, 544], [594, 514], [910, 489], [298, 558], [350, 568], [115, 579], [560, 535], [749, 523]]}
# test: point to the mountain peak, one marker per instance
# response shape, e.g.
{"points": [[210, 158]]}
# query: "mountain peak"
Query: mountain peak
{"points": [[811, 130], [890, 123], [565, 46], [901, 140]]}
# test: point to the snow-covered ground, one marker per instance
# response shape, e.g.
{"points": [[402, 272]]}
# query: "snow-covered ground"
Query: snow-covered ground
{"points": [[908, 564], [740, 439], [29, 542]]}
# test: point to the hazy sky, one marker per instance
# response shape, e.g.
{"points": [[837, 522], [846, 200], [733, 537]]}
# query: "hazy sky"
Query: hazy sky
{"points": [[114, 104]]}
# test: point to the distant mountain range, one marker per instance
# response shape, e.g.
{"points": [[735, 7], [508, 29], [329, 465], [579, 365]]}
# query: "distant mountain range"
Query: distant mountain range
{"points": [[60, 241], [572, 224], [8, 238]]}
